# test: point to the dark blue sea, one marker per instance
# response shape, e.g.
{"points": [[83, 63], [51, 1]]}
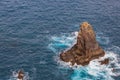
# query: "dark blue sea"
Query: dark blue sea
{"points": [[34, 32]]}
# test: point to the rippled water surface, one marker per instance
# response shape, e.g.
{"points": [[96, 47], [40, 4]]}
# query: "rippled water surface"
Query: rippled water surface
{"points": [[34, 32]]}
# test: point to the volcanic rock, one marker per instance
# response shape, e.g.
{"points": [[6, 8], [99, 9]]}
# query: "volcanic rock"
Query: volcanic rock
{"points": [[85, 49]]}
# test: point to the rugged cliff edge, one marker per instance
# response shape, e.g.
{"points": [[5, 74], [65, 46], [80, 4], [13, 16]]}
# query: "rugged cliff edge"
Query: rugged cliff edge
{"points": [[86, 48]]}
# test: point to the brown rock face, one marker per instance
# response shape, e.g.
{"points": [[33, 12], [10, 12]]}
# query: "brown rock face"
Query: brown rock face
{"points": [[20, 75], [86, 48]]}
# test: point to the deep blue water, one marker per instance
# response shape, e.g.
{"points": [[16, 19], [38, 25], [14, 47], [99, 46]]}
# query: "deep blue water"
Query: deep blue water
{"points": [[33, 32]]}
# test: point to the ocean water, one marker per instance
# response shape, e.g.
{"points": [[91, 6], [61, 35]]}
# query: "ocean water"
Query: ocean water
{"points": [[34, 32]]}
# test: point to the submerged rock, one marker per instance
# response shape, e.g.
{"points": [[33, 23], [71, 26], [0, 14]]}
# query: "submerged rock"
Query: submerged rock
{"points": [[86, 48], [105, 61]]}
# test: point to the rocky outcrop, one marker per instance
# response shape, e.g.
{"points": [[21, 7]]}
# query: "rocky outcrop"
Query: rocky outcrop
{"points": [[86, 48], [105, 61]]}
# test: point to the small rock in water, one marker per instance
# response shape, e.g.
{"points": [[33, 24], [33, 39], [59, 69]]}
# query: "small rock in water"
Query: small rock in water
{"points": [[105, 61], [20, 75]]}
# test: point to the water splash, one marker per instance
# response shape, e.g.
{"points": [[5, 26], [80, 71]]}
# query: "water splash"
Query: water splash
{"points": [[96, 71], [93, 71], [62, 42]]}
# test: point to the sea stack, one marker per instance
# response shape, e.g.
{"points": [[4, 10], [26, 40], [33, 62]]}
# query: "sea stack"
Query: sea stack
{"points": [[85, 49]]}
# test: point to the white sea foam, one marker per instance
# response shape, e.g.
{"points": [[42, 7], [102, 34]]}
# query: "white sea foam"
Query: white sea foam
{"points": [[42, 62], [62, 42], [96, 71]]}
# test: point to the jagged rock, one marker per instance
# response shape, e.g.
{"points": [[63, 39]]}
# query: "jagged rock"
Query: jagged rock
{"points": [[86, 48], [105, 61]]}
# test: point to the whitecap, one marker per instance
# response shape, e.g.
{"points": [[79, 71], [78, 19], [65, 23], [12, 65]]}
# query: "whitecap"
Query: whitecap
{"points": [[42, 62]]}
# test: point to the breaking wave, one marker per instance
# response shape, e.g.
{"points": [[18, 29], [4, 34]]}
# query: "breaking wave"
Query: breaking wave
{"points": [[93, 71], [62, 42], [96, 71]]}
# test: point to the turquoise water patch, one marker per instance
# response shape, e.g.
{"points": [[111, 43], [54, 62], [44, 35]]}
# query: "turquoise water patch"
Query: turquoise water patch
{"points": [[96, 71], [59, 43]]}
